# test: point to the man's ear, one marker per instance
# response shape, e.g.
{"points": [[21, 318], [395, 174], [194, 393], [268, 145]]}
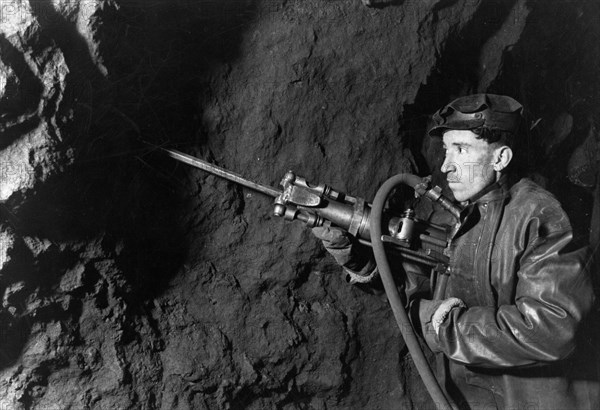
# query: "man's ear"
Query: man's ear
{"points": [[502, 157]]}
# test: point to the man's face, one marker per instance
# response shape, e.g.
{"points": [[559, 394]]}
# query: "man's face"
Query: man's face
{"points": [[468, 164]]}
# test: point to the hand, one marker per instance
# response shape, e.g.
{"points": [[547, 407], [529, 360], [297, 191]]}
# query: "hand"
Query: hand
{"points": [[436, 311], [356, 259], [441, 313], [337, 242]]}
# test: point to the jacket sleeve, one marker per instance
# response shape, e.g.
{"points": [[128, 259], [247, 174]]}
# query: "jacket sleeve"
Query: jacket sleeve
{"points": [[553, 293]]}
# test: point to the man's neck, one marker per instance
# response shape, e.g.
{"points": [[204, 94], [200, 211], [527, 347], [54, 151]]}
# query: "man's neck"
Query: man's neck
{"points": [[501, 185]]}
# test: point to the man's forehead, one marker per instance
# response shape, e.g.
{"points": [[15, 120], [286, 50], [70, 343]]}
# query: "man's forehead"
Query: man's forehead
{"points": [[462, 137]]}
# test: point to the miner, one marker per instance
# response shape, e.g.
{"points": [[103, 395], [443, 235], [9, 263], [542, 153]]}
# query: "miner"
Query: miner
{"points": [[511, 329]]}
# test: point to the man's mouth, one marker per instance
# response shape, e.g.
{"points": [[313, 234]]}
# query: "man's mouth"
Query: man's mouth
{"points": [[450, 178]]}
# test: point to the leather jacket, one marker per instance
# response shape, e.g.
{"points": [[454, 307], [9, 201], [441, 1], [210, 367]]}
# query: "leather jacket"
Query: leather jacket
{"points": [[518, 343]]}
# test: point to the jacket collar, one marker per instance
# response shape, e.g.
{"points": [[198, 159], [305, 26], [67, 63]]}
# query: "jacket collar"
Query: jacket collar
{"points": [[497, 191]]}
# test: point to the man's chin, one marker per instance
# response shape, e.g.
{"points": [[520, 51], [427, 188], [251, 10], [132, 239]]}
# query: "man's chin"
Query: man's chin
{"points": [[458, 196], [453, 187]]}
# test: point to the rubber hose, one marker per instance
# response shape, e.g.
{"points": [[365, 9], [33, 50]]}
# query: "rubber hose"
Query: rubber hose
{"points": [[406, 328]]}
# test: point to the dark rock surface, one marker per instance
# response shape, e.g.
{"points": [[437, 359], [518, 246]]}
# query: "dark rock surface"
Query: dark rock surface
{"points": [[130, 281]]}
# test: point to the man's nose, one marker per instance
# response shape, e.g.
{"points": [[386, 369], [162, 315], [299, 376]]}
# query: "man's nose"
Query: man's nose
{"points": [[448, 166]]}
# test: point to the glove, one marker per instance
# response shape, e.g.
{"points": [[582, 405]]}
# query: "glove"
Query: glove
{"points": [[337, 242], [436, 311], [431, 315], [356, 259], [441, 313]]}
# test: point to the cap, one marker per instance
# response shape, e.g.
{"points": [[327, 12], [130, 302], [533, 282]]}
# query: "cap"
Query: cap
{"points": [[496, 112]]}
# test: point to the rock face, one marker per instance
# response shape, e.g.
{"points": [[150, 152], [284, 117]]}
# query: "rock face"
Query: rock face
{"points": [[130, 281]]}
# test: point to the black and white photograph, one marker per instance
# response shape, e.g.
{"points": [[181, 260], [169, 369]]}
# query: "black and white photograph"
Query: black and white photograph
{"points": [[299, 204]]}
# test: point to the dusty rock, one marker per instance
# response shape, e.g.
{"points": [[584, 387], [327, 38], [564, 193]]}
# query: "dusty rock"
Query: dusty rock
{"points": [[6, 243]]}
